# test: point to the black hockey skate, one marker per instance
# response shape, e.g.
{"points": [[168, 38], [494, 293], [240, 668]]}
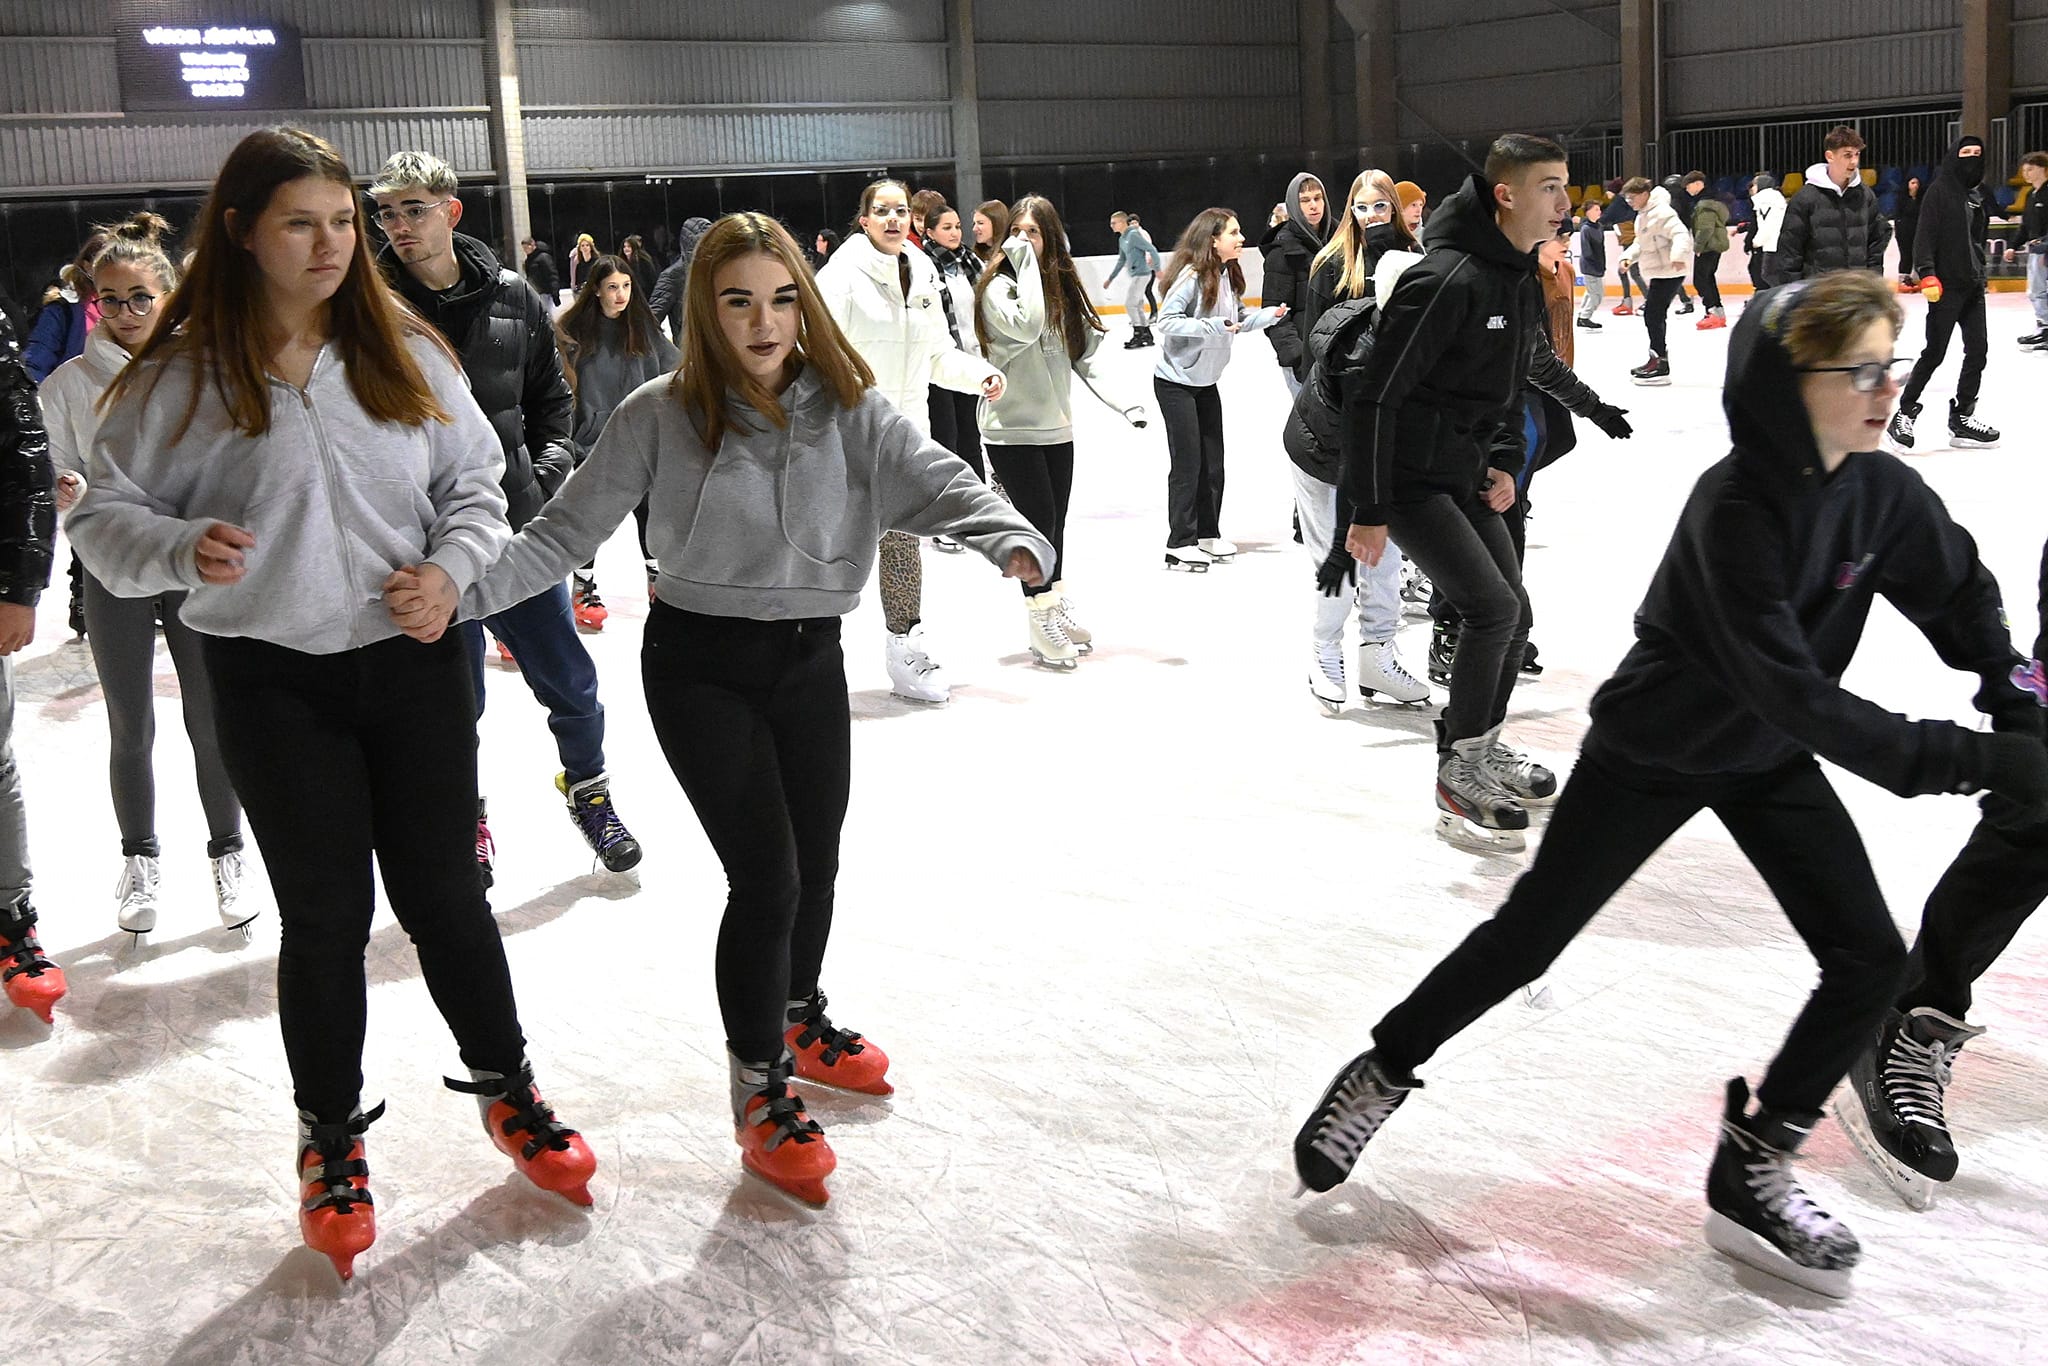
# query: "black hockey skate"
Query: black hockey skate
{"points": [[1474, 811], [590, 808], [1899, 431], [1443, 653], [1892, 1111], [1529, 781], [1760, 1215], [1965, 430], [1354, 1106]]}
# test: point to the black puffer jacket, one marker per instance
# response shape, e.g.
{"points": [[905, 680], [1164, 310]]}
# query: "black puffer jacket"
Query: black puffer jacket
{"points": [[505, 335], [1828, 229], [1954, 223], [1457, 341], [1289, 249], [28, 506], [540, 271], [1761, 599], [667, 298]]}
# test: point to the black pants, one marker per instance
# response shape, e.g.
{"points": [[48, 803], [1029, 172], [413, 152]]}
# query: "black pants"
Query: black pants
{"points": [[1039, 481], [1470, 557], [1704, 264], [955, 426], [338, 759], [1965, 309], [753, 718], [1756, 268], [1657, 297], [1193, 417], [1999, 879], [1608, 821]]}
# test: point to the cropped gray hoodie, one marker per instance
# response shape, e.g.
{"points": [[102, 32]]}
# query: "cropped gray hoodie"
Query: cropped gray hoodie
{"points": [[1037, 406], [335, 499], [777, 524]]}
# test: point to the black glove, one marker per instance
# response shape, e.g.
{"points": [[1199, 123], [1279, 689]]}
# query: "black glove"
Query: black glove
{"points": [[1612, 421], [1338, 569], [2016, 768]]}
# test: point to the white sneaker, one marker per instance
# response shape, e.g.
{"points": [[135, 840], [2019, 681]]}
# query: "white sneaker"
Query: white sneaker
{"points": [[1050, 645], [1380, 671], [1218, 547], [912, 674], [1189, 557], [227, 891], [136, 893], [1326, 675]]}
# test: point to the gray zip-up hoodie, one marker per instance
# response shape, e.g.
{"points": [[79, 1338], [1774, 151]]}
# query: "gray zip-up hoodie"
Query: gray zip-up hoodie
{"points": [[777, 524], [1198, 339], [1037, 406], [335, 499]]}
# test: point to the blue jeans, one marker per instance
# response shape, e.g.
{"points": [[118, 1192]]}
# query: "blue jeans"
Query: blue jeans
{"points": [[541, 634]]}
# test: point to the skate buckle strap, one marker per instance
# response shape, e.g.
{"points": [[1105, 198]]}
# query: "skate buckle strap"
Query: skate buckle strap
{"points": [[838, 1042], [530, 1114], [25, 957], [333, 1143], [786, 1113]]}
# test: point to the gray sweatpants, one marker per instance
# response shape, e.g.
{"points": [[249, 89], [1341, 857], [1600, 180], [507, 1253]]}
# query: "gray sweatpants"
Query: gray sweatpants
{"points": [[122, 634], [1134, 300], [14, 876], [1596, 290]]}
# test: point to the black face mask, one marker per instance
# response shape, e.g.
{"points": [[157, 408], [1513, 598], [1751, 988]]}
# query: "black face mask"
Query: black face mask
{"points": [[1970, 170]]}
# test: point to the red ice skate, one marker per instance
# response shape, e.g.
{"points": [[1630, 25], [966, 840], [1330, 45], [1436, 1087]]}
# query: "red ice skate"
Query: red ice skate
{"points": [[1624, 309], [337, 1218], [589, 607], [524, 1128], [831, 1056], [779, 1142], [33, 981]]}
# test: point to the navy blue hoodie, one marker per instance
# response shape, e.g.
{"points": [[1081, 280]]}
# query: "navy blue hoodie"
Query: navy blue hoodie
{"points": [[1761, 598]]}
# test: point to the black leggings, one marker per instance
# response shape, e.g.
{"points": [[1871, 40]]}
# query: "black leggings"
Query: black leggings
{"points": [[1999, 879], [955, 425], [1964, 309], [1193, 417], [122, 634], [1040, 481], [1609, 820], [345, 758], [753, 718]]}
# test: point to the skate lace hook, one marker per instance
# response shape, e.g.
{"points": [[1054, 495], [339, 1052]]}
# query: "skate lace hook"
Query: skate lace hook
{"points": [[1343, 1134]]}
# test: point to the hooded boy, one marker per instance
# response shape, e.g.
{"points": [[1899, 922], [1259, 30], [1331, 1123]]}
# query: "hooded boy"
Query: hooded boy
{"points": [[1730, 693], [1289, 246], [1950, 245]]}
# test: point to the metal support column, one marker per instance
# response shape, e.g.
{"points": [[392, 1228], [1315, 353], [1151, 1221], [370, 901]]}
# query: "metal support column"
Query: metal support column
{"points": [[1987, 74], [965, 90], [1642, 115], [1372, 33], [507, 125], [1317, 121]]}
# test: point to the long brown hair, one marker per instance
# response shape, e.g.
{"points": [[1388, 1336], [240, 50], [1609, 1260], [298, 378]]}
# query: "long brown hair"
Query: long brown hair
{"points": [[708, 371], [583, 321], [216, 317], [1067, 310], [1347, 244], [998, 215], [1196, 251]]}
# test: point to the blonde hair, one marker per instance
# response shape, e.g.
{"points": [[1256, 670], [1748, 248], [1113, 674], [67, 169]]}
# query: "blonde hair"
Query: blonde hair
{"points": [[1347, 244], [709, 371], [1822, 319], [137, 241]]}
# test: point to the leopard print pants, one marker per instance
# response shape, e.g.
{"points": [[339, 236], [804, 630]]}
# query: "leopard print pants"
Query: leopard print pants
{"points": [[902, 574]]}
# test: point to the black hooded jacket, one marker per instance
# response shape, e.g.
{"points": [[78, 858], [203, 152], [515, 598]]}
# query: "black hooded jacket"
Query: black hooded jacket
{"points": [[1954, 223], [28, 508], [667, 298], [1459, 338], [505, 336], [1289, 249], [1761, 598], [540, 271]]}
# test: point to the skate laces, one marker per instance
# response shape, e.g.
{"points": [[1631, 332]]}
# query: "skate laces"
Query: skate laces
{"points": [[486, 847], [138, 879], [336, 1170], [600, 824], [530, 1114], [1053, 627], [1916, 1075], [227, 878], [1330, 658], [1353, 1113], [1390, 664], [1903, 420], [1767, 1171], [1506, 761]]}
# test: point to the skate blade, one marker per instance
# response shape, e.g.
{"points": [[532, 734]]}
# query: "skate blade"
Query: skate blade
{"points": [[1456, 830], [809, 1193], [1189, 565], [1731, 1239], [1964, 443], [1910, 1186], [1389, 700], [1056, 665], [245, 929], [879, 1087], [1536, 995]]}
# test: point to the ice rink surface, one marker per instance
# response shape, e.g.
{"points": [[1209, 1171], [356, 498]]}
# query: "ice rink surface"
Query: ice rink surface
{"points": [[1116, 929]]}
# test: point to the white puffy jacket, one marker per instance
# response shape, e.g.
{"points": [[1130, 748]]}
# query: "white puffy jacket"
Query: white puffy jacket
{"points": [[1767, 207], [903, 340], [1663, 246]]}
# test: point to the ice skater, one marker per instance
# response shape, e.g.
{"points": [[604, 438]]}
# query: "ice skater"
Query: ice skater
{"points": [[131, 275], [288, 436], [1033, 319], [772, 464], [1432, 446], [1731, 689], [1893, 1105], [1138, 261], [1949, 248], [1201, 313]]}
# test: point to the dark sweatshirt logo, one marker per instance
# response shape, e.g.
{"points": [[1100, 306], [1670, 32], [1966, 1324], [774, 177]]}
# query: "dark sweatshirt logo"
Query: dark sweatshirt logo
{"points": [[2029, 677], [1849, 571]]}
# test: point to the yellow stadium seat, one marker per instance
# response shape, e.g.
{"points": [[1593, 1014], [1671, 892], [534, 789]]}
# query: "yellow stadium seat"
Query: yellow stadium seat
{"points": [[1869, 178], [1572, 193], [1793, 180]]}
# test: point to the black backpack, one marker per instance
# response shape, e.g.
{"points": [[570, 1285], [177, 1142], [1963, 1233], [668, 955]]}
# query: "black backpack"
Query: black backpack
{"points": [[1338, 344]]}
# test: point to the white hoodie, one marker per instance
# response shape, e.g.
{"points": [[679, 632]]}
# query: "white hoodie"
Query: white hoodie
{"points": [[903, 340], [1769, 208], [1663, 247], [71, 398]]}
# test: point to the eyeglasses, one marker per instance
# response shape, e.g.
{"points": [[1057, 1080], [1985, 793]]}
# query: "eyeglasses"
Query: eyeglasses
{"points": [[898, 211], [1866, 378], [387, 219], [1379, 208], [138, 304]]}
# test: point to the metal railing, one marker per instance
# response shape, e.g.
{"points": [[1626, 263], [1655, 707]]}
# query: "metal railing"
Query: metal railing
{"points": [[1918, 139]]}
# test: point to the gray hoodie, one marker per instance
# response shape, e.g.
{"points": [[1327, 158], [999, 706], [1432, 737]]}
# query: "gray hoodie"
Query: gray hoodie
{"points": [[1037, 405], [335, 499], [1198, 339], [777, 524]]}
